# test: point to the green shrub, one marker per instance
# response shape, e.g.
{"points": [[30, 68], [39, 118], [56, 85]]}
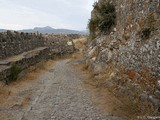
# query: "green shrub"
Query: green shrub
{"points": [[105, 19], [95, 5], [145, 33], [106, 24], [106, 8], [149, 27], [15, 70], [107, 12], [92, 25]]}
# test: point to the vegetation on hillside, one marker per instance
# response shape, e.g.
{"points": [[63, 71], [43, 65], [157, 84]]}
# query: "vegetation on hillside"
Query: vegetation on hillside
{"points": [[104, 20]]}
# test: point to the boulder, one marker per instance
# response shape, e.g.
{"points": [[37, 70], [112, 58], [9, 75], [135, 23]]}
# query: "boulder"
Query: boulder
{"points": [[98, 68], [105, 55], [94, 59], [157, 94], [158, 84], [154, 101], [93, 52], [143, 97]]}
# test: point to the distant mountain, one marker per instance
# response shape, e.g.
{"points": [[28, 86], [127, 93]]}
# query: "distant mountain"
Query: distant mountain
{"points": [[50, 30], [2, 30]]}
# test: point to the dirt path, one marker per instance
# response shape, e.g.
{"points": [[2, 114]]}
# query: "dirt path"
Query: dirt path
{"points": [[58, 94]]}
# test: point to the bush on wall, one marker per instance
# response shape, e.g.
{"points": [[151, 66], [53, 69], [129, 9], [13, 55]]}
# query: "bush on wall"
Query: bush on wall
{"points": [[15, 70], [105, 19]]}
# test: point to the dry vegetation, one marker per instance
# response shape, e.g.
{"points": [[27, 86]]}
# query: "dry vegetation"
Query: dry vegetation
{"points": [[80, 44], [112, 101], [103, 96], [20, 91]]}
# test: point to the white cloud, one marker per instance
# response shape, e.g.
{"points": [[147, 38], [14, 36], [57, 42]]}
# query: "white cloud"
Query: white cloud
{"points": [[20, 14]]}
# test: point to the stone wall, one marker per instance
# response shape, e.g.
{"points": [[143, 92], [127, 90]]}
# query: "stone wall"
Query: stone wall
{"points": [[27, 49], [131, 51], [14, 43], [61, 44], [22, 61]]}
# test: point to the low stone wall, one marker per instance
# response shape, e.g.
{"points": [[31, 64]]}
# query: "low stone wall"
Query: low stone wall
{"points": [[5, 72], [23, 61], [14, 43], [27, 49], [60, 44]]}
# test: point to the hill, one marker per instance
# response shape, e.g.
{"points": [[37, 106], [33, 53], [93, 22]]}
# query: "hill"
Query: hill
{"points": [[50, 30], [2, 30]]}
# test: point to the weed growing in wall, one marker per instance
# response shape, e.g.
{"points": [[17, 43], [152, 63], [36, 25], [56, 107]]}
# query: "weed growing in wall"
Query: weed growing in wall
{"points": [[105, 18], [15, 70], [149, 27], [108, 16], [145, 33], [92, 25]]}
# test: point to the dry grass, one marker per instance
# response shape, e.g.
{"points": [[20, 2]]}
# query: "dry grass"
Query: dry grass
{"points": [[9, 94], [25, 101], [34, 71], [103, 97], [80, 43], [110, 99], [77, 56]]}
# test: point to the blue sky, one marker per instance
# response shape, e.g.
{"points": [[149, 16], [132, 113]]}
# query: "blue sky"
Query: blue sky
{"points": [[23, 14]]}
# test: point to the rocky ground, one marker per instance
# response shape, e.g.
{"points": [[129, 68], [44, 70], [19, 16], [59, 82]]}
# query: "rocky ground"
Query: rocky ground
{"points": [[59, 93]]}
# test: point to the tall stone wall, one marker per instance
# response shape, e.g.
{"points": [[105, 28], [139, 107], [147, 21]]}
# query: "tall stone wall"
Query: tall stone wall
{"points": [[132, 48], [14, 43]]}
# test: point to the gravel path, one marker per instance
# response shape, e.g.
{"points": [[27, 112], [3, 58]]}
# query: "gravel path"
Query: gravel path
{"points": [[59, 95]]}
